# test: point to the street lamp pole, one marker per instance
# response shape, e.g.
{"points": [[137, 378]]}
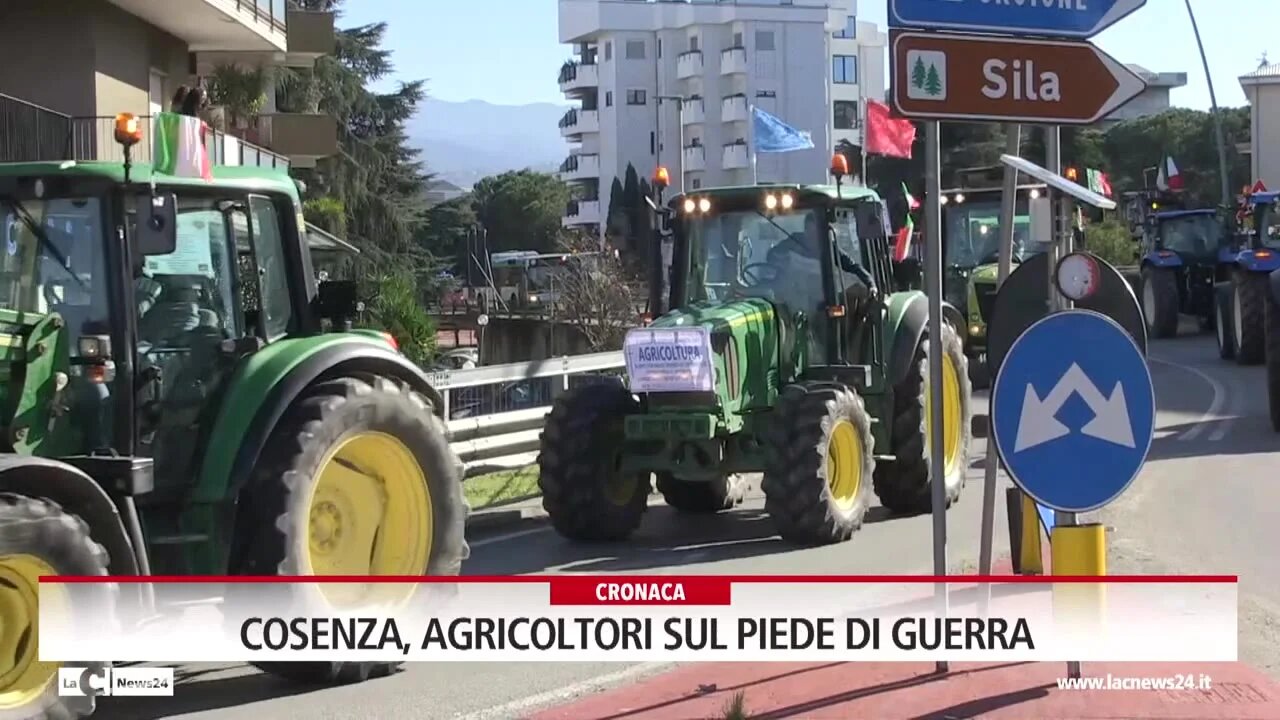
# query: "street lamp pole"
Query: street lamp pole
{"points": [[679, 100], [1217, 113]]}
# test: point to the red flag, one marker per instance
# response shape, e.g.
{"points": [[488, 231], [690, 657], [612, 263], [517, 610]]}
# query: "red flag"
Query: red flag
{"points": [[1105, 183], [887, 135]]}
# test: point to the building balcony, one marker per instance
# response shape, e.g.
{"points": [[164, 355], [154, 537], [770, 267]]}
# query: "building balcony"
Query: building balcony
{"points": [[311, 35], [580, 167], [577, 123], [93, 138], [733, 109], [693, 112], [735, 156], [302, 137], [695, 158], [218, 25], [578, 78], [689, 65], [581, 212], [29, 133], [733, 61]]}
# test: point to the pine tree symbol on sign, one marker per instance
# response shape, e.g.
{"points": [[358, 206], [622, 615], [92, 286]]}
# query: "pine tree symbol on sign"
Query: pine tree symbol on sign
{"points": [[927, 79]]}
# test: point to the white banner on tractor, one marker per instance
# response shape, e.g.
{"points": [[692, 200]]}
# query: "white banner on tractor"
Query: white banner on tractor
{"points": [[669, 360], [635, 619]]}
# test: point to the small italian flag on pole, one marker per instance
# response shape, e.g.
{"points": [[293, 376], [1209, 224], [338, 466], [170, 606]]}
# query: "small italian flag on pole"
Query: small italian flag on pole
{"points": [[902, 245], [179, 146]]}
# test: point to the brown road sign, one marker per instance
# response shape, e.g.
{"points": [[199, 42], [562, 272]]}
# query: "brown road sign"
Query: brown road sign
{"points": [[989, 78]]}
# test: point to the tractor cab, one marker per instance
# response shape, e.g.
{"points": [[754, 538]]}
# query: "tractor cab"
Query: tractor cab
{"points": [[1258, 222]]}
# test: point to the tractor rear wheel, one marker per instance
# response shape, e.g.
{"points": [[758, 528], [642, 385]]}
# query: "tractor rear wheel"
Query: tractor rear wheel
{"points": [[1160, 301], [1248, 303], [817, 477], [904, 485], [38, 538], [585, 491], [701, 497], [357, 479], [1273, 360]]}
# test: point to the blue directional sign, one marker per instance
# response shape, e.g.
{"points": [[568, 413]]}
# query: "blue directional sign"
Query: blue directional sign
{"points": [[1073, 411], [1070, 19]]}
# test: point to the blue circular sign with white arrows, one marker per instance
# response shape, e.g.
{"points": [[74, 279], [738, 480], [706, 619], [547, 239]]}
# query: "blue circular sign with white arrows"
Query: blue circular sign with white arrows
{"points": [[1073, 411]]}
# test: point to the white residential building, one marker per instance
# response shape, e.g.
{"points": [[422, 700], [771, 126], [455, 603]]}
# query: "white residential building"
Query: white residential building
{"points": [[1262, 89], [670, 83]]}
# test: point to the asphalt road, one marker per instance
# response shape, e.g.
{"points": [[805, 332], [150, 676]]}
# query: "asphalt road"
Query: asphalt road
{"points": [[1202, 504]]}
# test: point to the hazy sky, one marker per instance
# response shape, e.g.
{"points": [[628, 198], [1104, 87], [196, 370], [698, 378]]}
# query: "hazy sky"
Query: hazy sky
{"points": [[507, 51]]}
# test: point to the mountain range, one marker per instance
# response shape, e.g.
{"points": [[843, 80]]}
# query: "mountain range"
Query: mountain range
{"points": [[463, 142]]}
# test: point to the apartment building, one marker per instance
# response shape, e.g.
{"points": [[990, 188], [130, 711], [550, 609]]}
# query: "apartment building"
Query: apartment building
{"points": [[1152, 101], [1262, 90], [672, 83], [68, 67]]}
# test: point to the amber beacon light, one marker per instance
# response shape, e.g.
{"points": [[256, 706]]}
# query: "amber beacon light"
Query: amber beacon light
{"points": [[128, 130]]}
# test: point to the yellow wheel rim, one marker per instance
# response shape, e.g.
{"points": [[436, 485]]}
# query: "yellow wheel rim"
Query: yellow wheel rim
{"points": [[23, 678], [844, 464], [370, 513], [952, 416]]}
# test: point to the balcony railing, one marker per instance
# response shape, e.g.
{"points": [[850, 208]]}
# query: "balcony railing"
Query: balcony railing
{"points": [[30, 133], [93, 138], [733, 61], [689, 64], [271, 12]]}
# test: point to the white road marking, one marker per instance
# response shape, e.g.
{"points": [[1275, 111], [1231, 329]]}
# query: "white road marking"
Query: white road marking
{"points": [[1211, 415], [509, 536], [563, 694]]}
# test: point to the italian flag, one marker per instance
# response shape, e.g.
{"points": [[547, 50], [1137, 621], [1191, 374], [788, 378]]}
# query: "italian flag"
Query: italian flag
{"points": [[1170, 178], [179, 146], [902, 245]]}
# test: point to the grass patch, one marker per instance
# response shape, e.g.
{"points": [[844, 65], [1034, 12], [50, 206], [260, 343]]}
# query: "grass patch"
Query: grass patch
{"points": [[736, 708], [501, 487]]}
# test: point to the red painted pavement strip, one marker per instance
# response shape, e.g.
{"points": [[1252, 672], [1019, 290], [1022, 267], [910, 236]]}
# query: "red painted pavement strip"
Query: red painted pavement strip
{"points": [[886, 691]]}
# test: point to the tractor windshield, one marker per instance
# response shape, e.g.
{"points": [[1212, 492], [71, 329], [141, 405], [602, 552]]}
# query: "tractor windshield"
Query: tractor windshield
{"points": [[972, 234], [53, 262], [746, 253], [1268, 226], [1196, 235]]}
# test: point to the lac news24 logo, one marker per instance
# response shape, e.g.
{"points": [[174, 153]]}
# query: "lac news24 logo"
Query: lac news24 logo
{"points": [[128, 681]]}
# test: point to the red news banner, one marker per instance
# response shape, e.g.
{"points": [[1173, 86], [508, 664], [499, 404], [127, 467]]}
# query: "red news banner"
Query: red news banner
{"points": [[640, 618]]}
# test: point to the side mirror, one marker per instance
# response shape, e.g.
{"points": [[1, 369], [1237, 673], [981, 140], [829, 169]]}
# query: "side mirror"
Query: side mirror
{"points": [[157, 227]]}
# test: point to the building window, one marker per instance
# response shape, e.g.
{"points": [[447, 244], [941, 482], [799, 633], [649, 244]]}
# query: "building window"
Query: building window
{"points": [[695, 183], [766, 94], [737, 40], [693, 43], [608, 50], [844, 70], [636, 97], [659, 47], [635, 49], [850, 30], [846, 114], [608, 98], [764, 40]]}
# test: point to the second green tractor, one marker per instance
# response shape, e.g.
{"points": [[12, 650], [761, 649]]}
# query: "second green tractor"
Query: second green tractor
{"points": [[787, 350]]}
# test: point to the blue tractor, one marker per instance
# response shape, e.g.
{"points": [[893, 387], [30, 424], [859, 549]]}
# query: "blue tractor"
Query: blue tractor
{"points": [[1180, 260], [1241, 291]]}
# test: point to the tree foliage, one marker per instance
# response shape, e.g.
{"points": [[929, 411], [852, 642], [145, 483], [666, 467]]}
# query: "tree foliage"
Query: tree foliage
{"points": [[596, 294], [520, 210]]}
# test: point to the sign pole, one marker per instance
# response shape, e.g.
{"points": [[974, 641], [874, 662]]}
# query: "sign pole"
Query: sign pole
{"points": [[933, 287], [1008, 209]]}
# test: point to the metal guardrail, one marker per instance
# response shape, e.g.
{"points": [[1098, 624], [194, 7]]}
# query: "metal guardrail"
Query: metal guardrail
{"points": [[495, 413]]}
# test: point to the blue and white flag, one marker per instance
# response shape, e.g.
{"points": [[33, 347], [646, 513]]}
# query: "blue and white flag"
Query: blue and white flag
{"points": [[774, 136]]}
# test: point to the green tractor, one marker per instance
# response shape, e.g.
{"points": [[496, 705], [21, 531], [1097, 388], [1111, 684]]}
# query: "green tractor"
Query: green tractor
{"points": [[786, 352], [971, 249], [180, 396]]}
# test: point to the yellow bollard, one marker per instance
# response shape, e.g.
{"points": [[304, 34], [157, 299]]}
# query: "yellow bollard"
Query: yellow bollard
{"points": [[1079, 550], [1029, 556]]}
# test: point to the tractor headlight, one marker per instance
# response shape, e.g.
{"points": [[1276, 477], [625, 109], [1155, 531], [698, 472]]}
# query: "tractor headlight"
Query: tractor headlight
{"points": [[96, 347], [771, 202]]}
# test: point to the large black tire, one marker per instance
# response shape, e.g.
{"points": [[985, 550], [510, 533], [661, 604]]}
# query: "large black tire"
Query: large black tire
{"points": [[904, 485], [797, 477], [42, 530], [1248, 304], [277, 504], [1273, 361], [701, 497], [1160, 301], [585, 495], [1224, 330]]}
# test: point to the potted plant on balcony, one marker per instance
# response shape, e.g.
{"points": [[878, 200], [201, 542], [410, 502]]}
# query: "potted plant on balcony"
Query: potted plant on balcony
{"points": [[240, 94]]}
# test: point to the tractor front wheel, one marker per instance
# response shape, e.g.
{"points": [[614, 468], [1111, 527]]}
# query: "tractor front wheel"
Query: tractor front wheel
{"points": [[1160, 301], [38, 538], [1273, 360], [357, 479], [817, 477], [904, 486], [1222, 312], [585, 491], [690, 496], [1248, 303]]}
